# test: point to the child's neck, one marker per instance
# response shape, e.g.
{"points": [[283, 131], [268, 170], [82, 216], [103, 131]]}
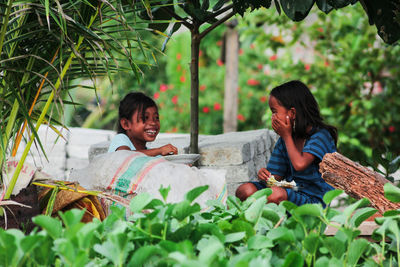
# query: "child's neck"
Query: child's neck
{"points": [[139, 145]]}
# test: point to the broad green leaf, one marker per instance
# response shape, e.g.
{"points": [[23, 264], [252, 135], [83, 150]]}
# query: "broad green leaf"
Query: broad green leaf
{"points": [[234, 237], [71, 217], [116, 248], [281, 234], [270, 214], [322, 262], [184, 209], [51, 225], [242, 225], [218, 5], [338, 3], [356, 249], [350, 209], [392, 192], [311, 242], [289, 205], [335, 246], [309, 209], [361, 215], [195, 192], [210, 248], [146, 255], [293, 259], [297, 10], [140, 201], [258, 242], [164, 191], [331, 195], [324, 6], [253, 213]]}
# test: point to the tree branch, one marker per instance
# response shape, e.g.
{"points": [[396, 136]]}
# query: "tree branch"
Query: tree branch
{"points": [[176, 16], [216, 24]]}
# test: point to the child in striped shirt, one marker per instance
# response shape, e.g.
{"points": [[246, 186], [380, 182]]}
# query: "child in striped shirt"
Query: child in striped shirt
{"points": [[304, 140]]}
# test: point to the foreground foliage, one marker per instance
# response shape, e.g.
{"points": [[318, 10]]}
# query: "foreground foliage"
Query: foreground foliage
{"points": [[181, 234]]}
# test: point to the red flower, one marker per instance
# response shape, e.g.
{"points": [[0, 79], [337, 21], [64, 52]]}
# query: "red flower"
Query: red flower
{"points": [[163, 87], [320, 29], [202, 87], [307, 67], [206, 109], [182, 79], [178, 56], [200, 53], [326, 63], [240, 51], [240, 117], [219, 62], [219, 43], [217, 106], [174, 99], [273, 57], [259, 66], [263, 98], [178, 67], [391, 129], [253, 82], [252, 46], [156, 95]]}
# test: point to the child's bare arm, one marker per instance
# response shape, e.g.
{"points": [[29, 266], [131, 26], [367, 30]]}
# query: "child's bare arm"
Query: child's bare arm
{"points": [[163, 150], [264, 174], [300, 160]]}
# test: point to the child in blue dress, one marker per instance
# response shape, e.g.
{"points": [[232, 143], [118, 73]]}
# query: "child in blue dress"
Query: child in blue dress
{"points": [[139, 123], [304, 140]]}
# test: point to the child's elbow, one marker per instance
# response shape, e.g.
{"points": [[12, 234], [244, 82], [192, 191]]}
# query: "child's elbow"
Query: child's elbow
{"points": [[299, 167]]}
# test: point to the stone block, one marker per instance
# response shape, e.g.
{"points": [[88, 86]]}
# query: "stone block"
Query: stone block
{"points": [[82, 136], [78, 151], [224, 154], [239, 173], [76, 163], [98, 149]]}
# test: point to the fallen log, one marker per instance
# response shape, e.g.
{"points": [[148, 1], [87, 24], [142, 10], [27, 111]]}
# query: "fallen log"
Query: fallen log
{"points": [[356, 180]]}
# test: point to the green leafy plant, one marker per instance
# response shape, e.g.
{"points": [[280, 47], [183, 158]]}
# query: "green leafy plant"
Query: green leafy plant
{"points": [[181, 234]]}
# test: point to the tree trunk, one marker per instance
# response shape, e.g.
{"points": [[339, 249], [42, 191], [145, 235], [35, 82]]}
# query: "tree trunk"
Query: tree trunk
{"points": [[194, 96], [356, 180], [231, 78]]}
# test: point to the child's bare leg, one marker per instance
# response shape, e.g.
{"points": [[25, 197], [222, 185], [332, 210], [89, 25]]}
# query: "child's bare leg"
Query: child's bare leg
{"points": [[245, 190], [278, 195]]}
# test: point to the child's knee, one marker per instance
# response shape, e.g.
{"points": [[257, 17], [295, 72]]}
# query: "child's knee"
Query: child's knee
{"points": [[278, 195], [245, 190]]}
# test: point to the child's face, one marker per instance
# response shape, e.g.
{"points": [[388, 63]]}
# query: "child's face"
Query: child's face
{"points": [[278, 111], [143, 131]]}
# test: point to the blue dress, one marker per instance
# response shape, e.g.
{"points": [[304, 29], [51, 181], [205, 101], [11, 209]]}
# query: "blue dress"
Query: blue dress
{"points": [[309, 181]]}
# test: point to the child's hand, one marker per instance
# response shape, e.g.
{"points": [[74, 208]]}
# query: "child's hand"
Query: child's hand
{"points": [[263, 174], [281, 127], [168, 150]]}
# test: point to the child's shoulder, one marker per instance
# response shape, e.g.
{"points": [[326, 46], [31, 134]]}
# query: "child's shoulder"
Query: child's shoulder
{"points": [[321, 133]]}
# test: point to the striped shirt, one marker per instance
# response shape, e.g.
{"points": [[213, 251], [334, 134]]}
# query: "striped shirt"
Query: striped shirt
{"points": [[309, 180]]}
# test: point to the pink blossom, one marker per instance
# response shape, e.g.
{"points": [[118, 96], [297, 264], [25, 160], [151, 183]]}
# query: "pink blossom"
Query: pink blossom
{"points": [[217, 106], [174, 99], [156, 95], [163, 87], [206, 109], [273, 57], [253, 82], [240, 117]]}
